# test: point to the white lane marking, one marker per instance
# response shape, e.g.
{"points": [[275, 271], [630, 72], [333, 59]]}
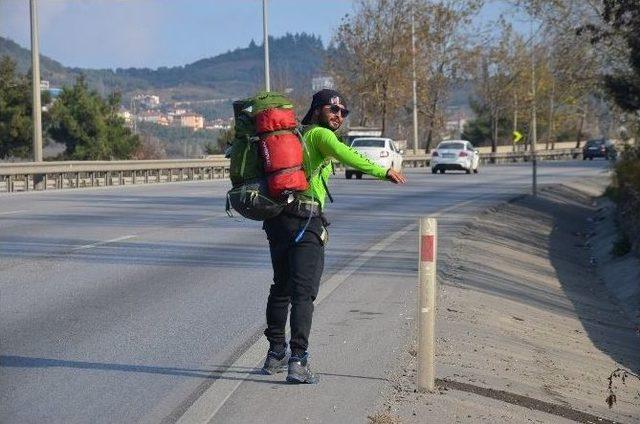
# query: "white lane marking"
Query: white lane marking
{"points": [[13, 212], [209, 403], [100, 243]]}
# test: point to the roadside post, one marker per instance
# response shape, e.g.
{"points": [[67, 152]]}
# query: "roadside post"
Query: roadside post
{"points": [[427, 247]]}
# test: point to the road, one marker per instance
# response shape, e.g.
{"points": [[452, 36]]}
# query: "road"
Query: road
{"points": [[117, 305]]}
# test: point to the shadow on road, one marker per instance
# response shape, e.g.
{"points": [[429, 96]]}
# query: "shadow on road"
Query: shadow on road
{"points": [[213, 373], [522, 228]]}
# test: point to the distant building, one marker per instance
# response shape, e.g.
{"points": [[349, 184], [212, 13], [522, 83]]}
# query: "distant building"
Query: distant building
{"points": [[318, 83], [149, 116], [456, 124], [455, 121], [126, 115], [148, 101], [55, 92], [219, 124], [46, 86], [176, 112], [191, 120]]}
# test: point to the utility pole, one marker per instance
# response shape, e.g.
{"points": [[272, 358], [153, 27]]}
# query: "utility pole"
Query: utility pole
{"points": [[534, 133], [35, 82], [515, 118], [415, 88], [134, 115], [265, 29]]}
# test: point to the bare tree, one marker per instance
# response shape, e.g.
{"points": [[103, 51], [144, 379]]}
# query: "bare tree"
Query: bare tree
{"points": [[372, 61], [442, 55]]}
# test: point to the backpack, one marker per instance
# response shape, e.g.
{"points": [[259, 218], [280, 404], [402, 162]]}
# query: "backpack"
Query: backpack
{"points": [[265, 156]]}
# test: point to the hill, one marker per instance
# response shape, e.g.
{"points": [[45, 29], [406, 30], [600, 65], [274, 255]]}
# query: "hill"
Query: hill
{"points": [[295, 59]]}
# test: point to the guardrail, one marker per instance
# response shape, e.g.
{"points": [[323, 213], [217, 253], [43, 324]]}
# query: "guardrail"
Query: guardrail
{"points": [[503, 157], [28, 176], [57, 175]]}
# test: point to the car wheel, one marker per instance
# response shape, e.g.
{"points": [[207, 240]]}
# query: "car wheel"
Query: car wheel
{"points": [[475, 171], [590, 157], [358, 175], [348, 174], [584, 158], [442, 171], [434, 171], [468, 170]]}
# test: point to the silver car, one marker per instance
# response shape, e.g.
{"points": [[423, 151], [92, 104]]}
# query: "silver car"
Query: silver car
{"points": [[455, 155], [379, 150]]}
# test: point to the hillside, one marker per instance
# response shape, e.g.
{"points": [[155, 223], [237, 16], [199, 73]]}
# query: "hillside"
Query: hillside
{"points": [[295, 59]]}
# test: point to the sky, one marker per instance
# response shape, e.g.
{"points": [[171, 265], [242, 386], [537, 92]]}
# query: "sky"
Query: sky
{"points": [[154, 33]]}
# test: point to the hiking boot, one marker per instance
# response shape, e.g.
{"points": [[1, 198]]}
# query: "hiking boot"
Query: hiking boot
{"points": [[275, 363], [299, 371]]}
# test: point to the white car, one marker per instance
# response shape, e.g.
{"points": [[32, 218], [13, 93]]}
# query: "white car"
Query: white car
{"points": [[382, 151], [455, 155]]}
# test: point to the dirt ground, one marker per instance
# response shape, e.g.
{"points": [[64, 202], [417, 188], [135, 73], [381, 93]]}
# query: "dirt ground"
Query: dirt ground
{"points": [[526, 329]]}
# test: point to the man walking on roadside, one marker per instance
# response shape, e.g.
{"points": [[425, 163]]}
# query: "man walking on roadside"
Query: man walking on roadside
{"points": [[298, 235]]}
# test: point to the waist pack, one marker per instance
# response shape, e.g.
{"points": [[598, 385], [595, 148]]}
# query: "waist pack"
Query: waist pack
{"points": [[265, 156]]}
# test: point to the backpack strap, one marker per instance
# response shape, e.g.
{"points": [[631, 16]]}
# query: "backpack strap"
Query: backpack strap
{"points": [[324, 182], [228, 206], [318, 170]]}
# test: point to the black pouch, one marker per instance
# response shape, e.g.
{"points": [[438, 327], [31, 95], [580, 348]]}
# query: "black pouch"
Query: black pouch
{"points": [[252, 201]]}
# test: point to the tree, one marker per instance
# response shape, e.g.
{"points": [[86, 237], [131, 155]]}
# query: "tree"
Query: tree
{"points": [[621, 20], [89, 125], [441, 55], [16, 123], [150, 147], [577, 66], [371, 60]]}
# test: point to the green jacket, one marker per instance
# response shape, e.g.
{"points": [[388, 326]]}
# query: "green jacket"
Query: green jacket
{"points": [[321, 146]]}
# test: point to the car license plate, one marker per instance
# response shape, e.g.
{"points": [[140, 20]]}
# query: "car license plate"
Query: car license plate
{"points": [[448, 155]]}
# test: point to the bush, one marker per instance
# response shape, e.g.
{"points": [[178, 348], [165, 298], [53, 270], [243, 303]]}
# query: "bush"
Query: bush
{"points": [[627, 170], [622, 246]]}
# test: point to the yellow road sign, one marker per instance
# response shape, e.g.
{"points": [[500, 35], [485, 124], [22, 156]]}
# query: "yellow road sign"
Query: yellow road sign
{"points": [[517, 136]]}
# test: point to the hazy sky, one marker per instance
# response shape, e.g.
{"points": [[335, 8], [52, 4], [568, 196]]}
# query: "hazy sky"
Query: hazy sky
{"points": [[152, 33]]}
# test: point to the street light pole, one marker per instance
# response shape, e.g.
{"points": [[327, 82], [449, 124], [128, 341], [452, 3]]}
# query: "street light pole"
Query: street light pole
{"points": [[265, 29], [415, 90], [35, 82]]}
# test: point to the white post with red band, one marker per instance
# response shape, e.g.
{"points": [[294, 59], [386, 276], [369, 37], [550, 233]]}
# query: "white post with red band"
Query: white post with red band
{"points": [[428, 247]]}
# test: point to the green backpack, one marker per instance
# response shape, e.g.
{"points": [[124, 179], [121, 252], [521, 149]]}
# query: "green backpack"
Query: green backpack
{"points": [[250, 195]]}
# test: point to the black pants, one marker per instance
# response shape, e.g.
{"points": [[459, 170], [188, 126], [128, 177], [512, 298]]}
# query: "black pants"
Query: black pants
{"points": [[297, 269]]}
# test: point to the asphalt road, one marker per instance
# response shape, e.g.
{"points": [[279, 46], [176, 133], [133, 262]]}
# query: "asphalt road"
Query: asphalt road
{"points": [[117, 304]]}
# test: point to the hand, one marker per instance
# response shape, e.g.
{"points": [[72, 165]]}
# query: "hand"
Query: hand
{"points": [[395, 177]]}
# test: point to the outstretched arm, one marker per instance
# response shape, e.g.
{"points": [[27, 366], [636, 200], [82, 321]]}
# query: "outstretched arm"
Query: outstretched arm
{"points": [[330, 146]]}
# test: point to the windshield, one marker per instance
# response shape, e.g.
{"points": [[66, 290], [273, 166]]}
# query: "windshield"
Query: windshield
{"points": [[595, 142], [452, 146], [368, 142]]}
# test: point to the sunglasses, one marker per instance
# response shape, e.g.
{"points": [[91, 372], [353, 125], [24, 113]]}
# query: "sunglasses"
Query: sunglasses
{"points": [[335, 109]]}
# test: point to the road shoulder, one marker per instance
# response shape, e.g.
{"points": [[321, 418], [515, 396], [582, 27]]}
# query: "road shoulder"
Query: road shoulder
{"points": [[527, 331]]}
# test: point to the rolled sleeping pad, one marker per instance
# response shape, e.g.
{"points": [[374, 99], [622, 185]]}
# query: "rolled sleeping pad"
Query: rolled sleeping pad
{"points": [[270, 120]]}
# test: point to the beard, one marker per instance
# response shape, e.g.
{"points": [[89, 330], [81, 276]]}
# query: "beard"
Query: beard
{"points": [[330, 123]]}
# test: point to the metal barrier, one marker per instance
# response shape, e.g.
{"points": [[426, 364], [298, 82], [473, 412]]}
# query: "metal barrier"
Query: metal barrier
{"points": [[28, 176], [57, 175], [420, 161]]}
